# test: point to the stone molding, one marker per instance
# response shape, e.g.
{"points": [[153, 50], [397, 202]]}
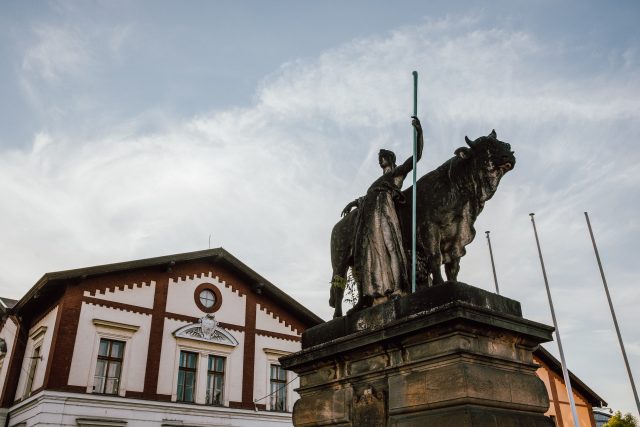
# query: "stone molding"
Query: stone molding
{"points": [[208, 330]]}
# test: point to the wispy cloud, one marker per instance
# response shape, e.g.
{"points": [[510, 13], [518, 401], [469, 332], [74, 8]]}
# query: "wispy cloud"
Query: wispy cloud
{"points": [[56, 52], [66, 55]]}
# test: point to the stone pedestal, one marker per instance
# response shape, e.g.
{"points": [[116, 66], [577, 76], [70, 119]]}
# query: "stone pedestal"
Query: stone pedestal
{"points": [[447, 356]]}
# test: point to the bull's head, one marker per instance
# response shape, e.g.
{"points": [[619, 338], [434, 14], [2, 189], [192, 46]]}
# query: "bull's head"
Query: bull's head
{"points": [[489, 159]]}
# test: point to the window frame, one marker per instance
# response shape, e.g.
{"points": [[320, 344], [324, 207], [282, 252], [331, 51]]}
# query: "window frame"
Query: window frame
{"points": [[33, 369], [188, 369], [204, 349], [272, 356], [282, 388], [31, 366], [109, 360], [215, 373], [118, 332]]}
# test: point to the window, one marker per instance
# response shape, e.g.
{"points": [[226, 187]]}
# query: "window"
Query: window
{"points": [[278, 389], [32, 371], [187, 376], [112, 361], [215, 380], [109, 367], [207, 298]]}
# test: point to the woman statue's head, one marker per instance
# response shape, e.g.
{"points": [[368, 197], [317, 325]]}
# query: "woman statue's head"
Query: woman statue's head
{"points": [[386, 158]]}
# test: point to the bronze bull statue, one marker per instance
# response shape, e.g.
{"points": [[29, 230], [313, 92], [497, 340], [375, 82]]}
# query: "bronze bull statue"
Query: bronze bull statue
{"points": [[448, 201]]}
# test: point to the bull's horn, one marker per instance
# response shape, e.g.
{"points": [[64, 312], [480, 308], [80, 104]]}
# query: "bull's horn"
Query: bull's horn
{"points": [[493, 134], [469, 142]]}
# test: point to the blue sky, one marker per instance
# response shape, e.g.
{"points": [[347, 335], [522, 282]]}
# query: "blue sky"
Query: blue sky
{"points": [[136, 129]]}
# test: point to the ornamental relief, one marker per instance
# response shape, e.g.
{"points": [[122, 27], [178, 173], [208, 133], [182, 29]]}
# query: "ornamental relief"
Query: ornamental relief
{"points": [[207, 329]]}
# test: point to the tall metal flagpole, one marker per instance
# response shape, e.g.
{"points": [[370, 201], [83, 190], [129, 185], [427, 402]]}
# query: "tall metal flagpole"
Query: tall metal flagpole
{"points": [[565, 372], [493, 265], [413, 199], [613, 313]]}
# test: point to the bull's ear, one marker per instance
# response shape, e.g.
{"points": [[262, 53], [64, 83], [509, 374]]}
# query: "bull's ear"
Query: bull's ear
{"points": [[493, 134], [463, 152]]}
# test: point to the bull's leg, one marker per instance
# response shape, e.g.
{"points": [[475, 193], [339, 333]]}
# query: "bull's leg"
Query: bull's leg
{"points": [[434, 261], [338, 284], [434, 266], [451, 269], [429, 243]]}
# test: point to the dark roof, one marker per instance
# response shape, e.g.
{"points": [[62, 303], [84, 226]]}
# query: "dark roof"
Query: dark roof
{"points": [[7, 302], [576, 383], [217, 256]]}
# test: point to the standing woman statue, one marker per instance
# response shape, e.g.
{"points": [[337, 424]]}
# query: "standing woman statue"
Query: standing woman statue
{"points": [[380, 262]]}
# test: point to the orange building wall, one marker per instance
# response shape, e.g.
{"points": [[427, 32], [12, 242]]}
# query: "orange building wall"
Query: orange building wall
{"points": [[559, 406]]}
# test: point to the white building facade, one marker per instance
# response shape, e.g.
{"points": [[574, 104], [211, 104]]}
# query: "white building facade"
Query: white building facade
{"points": [[184, 340]]}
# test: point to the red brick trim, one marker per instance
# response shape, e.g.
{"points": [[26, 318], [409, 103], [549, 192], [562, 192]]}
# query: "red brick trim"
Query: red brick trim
{"points": [[121, 287], [277, 335], [281, 314], [44, 313], [74, 389], [181, 317], [134, 394], [248, 364], [61, 354], [154, 349], [232, 326], [116, 305], [218, 295], [15, 365]]}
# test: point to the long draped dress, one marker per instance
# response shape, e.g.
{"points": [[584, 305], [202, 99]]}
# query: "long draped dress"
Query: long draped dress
{"points": [[380, 260]]}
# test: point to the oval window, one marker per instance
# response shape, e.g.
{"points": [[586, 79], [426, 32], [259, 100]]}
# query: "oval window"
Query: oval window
{"points": [[207, 298]]}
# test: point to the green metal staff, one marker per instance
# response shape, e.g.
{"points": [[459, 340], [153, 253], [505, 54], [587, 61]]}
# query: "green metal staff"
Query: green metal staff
{"points": [[413, 204]]}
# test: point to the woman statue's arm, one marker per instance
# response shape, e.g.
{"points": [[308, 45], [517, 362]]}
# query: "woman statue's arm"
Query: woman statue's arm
{"points": [[406, 167], [351, 205]]}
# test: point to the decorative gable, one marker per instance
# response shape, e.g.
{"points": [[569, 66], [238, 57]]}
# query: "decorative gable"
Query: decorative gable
{"points": [[208, 330]]}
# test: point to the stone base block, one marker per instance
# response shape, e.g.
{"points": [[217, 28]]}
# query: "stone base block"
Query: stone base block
{"points": [[450, 355]]}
